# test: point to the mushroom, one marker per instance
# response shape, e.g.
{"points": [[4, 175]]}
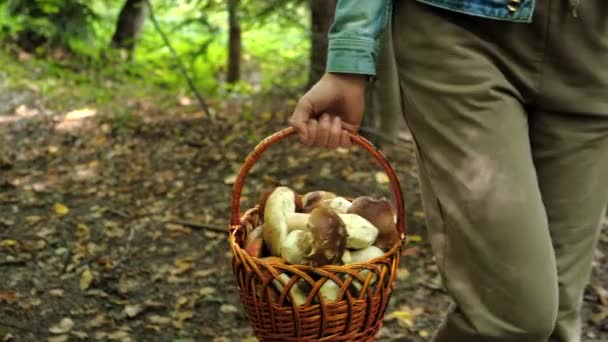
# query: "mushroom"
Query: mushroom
{"points": [[329, 237], [378, 212], [268, 274], [362, 256], [319, 241], [365, 255], [296, 295], [279, 203], [264, 199], [360, 232], [313, 199], [296, 246], [280, 218], [330, 291], [346, 259], [337, 204], [254, 242]]}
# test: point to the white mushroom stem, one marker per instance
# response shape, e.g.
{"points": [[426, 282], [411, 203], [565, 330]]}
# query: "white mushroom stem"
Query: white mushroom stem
{"points": [[296, 295], [329, 291], [346, 259], [360, 232], [297, 221], [280, 203], [296, 246], [365, 255], [361, 256]]}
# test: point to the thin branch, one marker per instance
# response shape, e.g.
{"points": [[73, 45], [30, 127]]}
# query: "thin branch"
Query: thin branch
{"points": [[180, 65], [203, 226]]}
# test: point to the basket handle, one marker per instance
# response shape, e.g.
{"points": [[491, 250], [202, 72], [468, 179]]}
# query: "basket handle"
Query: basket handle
{"points": [[286, 132]]}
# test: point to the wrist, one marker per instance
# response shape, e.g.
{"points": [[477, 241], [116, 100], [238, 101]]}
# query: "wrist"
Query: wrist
{"points": [[352, 82]]}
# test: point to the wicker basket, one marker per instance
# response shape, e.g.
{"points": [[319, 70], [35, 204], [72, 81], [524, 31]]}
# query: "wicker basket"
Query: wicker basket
{"points": [[358, 312]]}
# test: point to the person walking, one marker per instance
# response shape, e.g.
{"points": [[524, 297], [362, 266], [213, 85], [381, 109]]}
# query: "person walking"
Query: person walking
{"points": [[507, 101]]}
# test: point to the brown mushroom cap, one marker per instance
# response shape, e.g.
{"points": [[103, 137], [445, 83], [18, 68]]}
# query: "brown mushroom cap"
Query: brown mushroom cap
{"points": [[313, 199], [378, 212], [329, 237]]}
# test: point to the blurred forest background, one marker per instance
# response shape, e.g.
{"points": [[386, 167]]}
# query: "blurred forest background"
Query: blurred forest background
{"points": [[204, 49], [123, 125]]}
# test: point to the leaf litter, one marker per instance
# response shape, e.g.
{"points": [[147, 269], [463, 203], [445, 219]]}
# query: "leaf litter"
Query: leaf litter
{"points": [[89, 247]]}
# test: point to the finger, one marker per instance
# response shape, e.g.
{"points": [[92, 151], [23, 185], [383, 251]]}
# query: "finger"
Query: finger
{"points": [[323, 131], [345, 139], [350, 127], [299, 119], [335, 131], [312, 132]]}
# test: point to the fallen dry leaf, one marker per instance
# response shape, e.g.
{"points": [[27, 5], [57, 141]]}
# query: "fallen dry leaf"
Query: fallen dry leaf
{"points": [[156, 319], [228, 308], [62, 327], [381, 177], [8, 297], [133, 310], [59, 338], [86, 278]]}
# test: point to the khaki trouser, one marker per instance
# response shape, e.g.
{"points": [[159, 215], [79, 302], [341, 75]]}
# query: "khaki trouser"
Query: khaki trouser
{"points": [[511, 127]]}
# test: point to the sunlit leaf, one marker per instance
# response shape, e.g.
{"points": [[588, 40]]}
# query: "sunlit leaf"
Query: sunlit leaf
{"points": [[86, 278], [64, 326], [61, 209]]}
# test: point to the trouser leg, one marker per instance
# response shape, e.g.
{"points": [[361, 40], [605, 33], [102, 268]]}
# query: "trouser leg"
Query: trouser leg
{"points": [[486, 219], [489, 167], [571, 157], [487, 224]]}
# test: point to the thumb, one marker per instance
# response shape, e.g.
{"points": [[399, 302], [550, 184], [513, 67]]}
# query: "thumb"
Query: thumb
{"points": [[299, 119]]}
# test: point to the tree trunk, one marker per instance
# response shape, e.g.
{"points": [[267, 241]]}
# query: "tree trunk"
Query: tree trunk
{"points": [[322, 15], [234, 43], [129, 24]]}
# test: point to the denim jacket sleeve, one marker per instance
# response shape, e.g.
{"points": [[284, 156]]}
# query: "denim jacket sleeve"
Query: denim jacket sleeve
{"points": [[354, 35]]}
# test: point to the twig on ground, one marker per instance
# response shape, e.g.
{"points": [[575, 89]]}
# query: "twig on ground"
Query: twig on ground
{"points": [[118, 212], [197, 225], [125, 254]]}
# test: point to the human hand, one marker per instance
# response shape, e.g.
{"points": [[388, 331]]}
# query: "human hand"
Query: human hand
{"points": [[331, 108]]}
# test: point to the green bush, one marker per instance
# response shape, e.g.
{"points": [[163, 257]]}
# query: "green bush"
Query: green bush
{"points": [[39, 24]]}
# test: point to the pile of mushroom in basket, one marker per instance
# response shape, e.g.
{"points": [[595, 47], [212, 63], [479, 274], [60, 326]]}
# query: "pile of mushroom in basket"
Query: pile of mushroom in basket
{"points": [[321, 228], [316, 266]]}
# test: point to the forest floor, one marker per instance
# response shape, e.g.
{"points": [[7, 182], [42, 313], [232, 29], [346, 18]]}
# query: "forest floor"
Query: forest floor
{"points": [[111, 213]]}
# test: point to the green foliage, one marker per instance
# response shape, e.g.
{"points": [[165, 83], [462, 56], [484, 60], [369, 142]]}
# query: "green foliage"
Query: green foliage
{"points": [[38, 23], [275, 38]]}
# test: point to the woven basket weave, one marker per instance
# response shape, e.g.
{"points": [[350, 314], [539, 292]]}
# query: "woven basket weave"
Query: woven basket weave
{"points": [[365, 288]]}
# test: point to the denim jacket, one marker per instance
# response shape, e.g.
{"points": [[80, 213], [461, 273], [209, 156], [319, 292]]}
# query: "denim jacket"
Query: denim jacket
{"points": [[354, 34]]}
